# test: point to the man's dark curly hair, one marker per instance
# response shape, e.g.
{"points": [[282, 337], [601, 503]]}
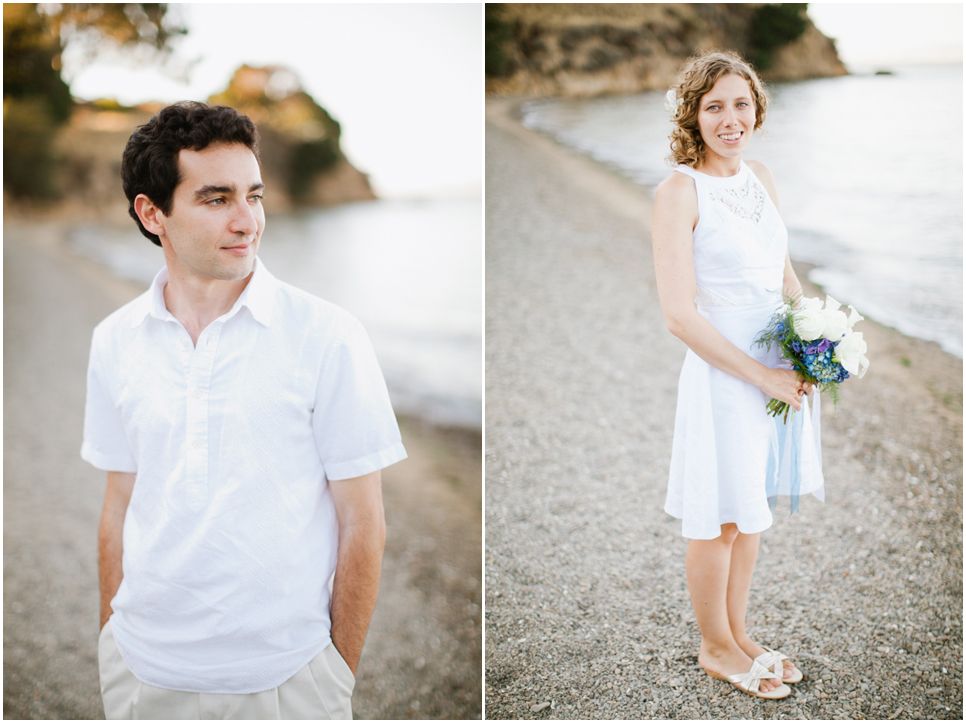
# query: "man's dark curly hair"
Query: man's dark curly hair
{"points": [[150, 161]]}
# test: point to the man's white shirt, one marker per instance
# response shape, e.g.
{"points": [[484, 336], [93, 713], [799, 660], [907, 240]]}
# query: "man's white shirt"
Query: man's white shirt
{"points": [[231, 537]]}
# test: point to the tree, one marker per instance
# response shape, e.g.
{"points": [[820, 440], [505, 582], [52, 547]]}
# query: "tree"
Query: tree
{"points": [[36, 99]]}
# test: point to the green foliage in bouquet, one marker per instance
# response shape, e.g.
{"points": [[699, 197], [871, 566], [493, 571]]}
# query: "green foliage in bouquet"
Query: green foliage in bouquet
{"points": [[812, 359]]}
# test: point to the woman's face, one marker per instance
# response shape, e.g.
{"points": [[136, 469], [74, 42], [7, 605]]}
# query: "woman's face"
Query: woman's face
{"points": [[726, 116]]}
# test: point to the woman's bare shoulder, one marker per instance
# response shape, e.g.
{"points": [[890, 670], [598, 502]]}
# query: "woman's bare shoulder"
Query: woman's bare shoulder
{"points": [[760, 170], [676, 188], [767, 180]]}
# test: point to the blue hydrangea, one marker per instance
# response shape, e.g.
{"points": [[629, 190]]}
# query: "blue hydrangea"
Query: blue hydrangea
{"points": [[820, 365]]}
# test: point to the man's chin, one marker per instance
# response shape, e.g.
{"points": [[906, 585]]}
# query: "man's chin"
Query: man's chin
{"points": [[240, 269]]}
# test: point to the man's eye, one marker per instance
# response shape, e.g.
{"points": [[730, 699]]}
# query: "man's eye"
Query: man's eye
{"points": [[215, 201], [257, 198]]}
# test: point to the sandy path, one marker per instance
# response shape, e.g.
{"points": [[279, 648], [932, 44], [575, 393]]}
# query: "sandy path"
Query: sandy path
{"points": [[587, 608], [422, 657]]}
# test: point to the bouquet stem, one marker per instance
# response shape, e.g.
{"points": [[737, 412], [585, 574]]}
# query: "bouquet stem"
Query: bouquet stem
{"points": [[776, 407]]}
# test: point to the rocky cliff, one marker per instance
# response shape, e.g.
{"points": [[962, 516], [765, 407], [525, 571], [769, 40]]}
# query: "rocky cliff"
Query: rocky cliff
{"points": [[585, 49], [302, 161]]}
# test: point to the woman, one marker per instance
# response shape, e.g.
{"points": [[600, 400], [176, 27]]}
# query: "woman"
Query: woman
{"points": [[722, 264]]}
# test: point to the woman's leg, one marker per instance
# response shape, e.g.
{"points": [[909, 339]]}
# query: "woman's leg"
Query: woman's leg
{"points": [[744, 552], [708, 568]]}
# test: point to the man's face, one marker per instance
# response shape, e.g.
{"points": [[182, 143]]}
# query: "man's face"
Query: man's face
{"points": [[216, 219]]}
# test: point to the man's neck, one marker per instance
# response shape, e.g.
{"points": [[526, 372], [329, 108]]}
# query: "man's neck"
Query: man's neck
{"points": [[196, 302]]}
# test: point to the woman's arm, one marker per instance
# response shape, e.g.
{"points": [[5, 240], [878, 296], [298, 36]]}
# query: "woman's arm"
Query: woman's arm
{"points": [[672, 234]]}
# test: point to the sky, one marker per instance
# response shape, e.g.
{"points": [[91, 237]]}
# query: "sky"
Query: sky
{"points": [[404, 80], [869, 35]]}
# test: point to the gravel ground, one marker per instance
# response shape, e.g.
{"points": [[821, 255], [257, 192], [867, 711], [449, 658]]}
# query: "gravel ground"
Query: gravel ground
{"points": [[587, 609], [423, 655]]}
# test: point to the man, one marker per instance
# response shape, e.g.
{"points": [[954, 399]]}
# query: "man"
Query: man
{"points": [[243, 425]]}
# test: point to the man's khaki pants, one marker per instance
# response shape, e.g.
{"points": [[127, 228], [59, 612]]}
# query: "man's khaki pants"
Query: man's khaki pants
{"points": [[322, 690]]}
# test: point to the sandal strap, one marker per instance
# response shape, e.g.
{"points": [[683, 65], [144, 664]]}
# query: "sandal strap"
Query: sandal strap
{"points": [[773, 660], [753, 677], [781, 656]]}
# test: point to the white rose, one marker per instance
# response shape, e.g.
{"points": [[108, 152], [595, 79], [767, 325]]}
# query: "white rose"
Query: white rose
{"points": [[850, 353], [854, 316], [809, 322], [831, 304], [835, 323], [808, 302]]}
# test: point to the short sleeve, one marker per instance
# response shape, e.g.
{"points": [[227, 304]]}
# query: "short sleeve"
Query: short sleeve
{"points": [[105, 442], [354, 426]]}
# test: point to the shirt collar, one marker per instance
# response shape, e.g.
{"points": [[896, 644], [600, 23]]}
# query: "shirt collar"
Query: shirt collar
{"points": [[258, 297]]}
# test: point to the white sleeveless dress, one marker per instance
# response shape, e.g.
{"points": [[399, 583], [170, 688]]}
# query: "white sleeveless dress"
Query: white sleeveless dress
{"points": [[730, 460]]}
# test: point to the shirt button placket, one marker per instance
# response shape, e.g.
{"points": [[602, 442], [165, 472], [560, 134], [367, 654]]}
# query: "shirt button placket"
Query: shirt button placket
{"points": [[199, 382]]}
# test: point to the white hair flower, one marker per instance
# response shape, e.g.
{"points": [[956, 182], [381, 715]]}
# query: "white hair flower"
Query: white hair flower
{"points": [[672, 103]]}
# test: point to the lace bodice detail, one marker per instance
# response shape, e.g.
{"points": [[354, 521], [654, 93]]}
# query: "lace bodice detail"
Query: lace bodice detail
{"points": [[739, 241], [747, 201]]}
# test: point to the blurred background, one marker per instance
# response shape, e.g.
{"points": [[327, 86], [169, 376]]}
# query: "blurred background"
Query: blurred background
{"points": [[373, 103], [587, 606], [863, 134], [370, 120]]}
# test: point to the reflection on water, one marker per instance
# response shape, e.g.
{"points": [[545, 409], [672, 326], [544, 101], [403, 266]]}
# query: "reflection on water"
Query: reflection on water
{"points": [[410, 271], [869, 173]]}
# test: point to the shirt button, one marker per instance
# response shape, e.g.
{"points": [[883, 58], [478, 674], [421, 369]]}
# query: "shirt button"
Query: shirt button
{"points": [[197, 443], [184, 343], [196, 394]]}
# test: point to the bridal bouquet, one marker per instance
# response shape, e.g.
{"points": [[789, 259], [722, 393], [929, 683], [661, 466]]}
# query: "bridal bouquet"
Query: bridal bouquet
{"points": [[819, 343]]}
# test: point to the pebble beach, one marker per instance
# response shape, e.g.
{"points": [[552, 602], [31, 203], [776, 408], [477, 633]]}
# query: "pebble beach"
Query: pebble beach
{"points": [[586, 607]]}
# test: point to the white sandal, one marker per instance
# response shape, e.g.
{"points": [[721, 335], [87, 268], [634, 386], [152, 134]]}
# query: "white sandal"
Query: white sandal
{"points": [[749, 682], [773, 660]]}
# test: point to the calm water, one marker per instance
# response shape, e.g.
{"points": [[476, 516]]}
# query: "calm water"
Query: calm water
{"points": [[411, 271], [869, 173]]}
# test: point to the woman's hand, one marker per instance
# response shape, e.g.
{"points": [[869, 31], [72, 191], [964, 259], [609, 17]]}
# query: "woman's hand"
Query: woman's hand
{"points": [[785, 385]]}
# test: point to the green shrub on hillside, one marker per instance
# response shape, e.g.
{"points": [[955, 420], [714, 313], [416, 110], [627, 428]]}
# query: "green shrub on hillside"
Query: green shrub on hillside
{"points": [[497, 34], [773, 26]]}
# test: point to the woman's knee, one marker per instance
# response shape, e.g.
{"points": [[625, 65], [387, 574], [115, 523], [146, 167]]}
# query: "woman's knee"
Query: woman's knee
{"points": [[729, 533]]}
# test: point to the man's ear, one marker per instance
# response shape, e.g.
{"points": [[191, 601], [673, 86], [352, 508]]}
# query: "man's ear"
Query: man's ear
{"points": [[151, 216]]}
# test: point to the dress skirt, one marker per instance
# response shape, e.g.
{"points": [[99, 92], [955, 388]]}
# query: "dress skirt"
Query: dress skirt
{"points": [[730, 459]]}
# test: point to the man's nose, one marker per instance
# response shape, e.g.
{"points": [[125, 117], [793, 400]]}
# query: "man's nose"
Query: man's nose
{"points": [[244, 220]]}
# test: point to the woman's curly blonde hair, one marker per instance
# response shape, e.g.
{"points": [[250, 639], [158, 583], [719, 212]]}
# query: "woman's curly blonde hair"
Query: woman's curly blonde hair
{"points": [[698, 77]]}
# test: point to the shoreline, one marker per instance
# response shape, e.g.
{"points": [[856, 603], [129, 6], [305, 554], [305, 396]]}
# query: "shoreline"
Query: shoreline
{"points": [[509, 107], [51, 228], [637, 199], [431, 590], [587, 608]]}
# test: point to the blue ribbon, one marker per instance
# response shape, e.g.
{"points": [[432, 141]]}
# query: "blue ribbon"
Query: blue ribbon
{"points": [[784, 463]]}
